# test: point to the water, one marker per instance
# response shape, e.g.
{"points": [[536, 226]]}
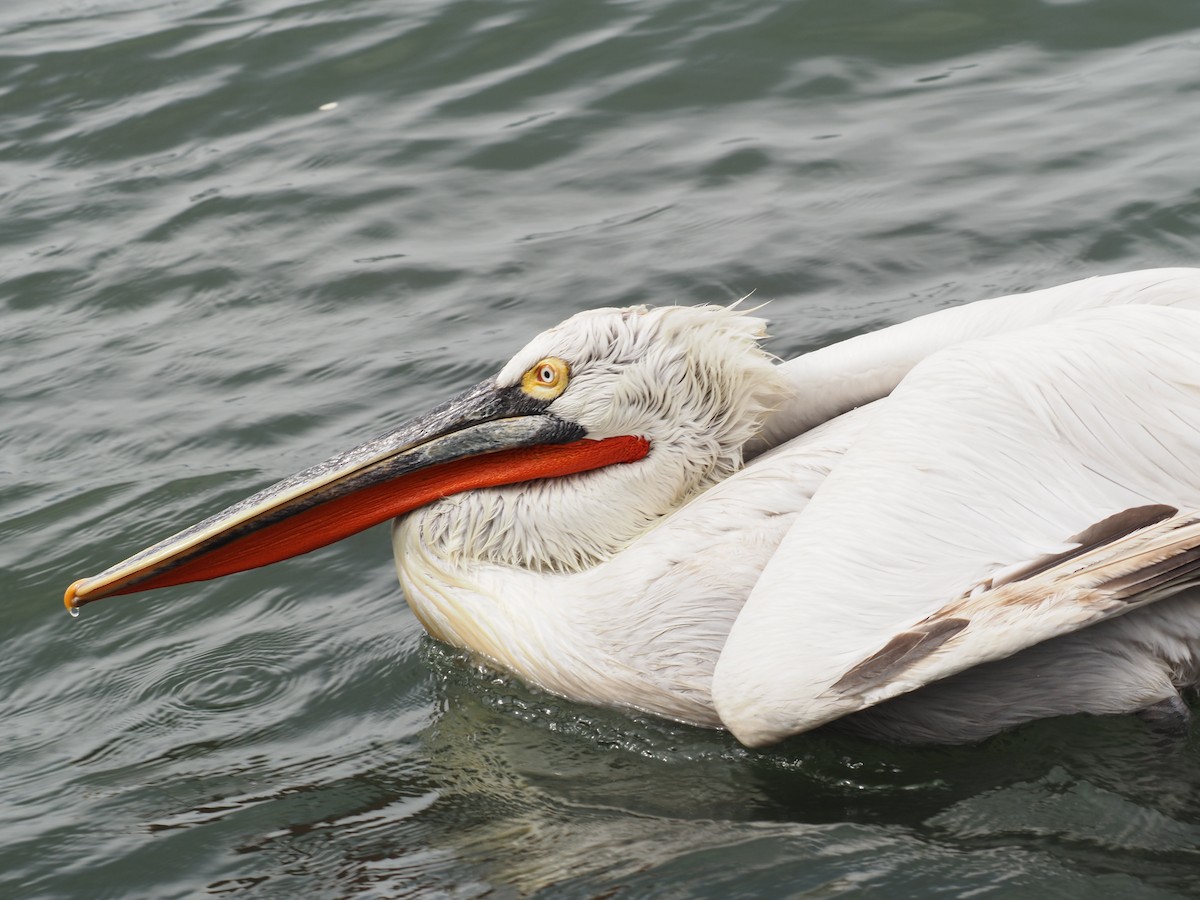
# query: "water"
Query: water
{"points": [[210, 280]]}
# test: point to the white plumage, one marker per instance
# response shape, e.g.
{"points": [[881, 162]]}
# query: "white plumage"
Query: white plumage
{"points": [[991, 453], [945, 528], [988, 455]]}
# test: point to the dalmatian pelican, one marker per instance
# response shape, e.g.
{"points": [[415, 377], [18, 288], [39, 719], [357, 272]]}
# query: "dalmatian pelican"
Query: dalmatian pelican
{"points": [[980, 517]]}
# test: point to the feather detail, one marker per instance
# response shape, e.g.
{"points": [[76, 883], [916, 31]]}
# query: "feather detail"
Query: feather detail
{"points": [[1086, 586]]}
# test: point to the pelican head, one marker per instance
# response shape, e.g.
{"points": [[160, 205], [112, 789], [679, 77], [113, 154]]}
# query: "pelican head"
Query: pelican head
{"points": [[596, 429]]}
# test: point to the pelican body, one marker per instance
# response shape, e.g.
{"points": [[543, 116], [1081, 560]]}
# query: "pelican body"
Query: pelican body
{"points": [[933, 532]]}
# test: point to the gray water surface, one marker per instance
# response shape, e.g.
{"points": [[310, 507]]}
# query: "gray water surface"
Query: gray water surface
{"points": [[210, 281]]}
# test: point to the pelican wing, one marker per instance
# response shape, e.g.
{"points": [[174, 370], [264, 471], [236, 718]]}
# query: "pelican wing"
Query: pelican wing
{"points": [[1011, 489], [1063, 593], [834, 379]]}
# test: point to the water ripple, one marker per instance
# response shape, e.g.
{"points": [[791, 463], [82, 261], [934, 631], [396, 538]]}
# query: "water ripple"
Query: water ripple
{"points": [[211, 281]]}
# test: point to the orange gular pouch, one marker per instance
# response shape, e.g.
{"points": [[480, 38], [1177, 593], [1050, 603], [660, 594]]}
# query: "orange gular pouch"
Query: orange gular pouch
{"points": [[465, 444]]}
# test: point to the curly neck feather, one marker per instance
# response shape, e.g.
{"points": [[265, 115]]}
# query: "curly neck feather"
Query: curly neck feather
{"points": [[693, 381]]}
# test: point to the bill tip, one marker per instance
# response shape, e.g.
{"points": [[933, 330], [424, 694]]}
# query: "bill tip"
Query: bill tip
{"points": [[71, 599]]}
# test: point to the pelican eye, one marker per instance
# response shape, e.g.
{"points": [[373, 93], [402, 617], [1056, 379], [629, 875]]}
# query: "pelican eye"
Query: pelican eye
{"points": [[547, 379]]}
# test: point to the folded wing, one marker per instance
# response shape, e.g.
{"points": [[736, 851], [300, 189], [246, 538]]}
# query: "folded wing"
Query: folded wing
{"points": [[1010, 490], [849, 373]]}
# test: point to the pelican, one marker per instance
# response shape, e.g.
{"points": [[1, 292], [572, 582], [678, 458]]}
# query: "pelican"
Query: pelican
{"points": [[936, 531]]}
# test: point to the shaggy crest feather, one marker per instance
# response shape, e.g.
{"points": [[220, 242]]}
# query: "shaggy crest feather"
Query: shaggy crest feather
{"points": [[693, 381]]}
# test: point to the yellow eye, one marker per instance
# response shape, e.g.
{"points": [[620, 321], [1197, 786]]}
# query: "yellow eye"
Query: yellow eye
{"points": [[547, 379]]}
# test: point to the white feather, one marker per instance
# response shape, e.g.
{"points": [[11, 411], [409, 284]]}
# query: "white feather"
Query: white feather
{"points": [[988, 454], [620, 586], [829, 381]]}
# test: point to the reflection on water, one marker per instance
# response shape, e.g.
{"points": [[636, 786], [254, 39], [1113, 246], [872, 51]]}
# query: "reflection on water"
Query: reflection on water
{"points": [[533, 805]]}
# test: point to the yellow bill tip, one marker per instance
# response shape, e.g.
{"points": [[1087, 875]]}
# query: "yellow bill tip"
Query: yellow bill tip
{"points": [[71, 599]]}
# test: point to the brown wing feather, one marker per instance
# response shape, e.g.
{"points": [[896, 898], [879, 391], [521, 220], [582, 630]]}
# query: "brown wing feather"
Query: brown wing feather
{"points": [[1138, 556]]}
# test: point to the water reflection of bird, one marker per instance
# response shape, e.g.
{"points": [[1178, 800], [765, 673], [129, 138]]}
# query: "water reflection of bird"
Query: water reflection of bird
{"points": [[641, 509]]}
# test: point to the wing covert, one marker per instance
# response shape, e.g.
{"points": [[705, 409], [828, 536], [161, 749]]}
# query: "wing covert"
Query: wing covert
{"points": [[989, 462]]}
